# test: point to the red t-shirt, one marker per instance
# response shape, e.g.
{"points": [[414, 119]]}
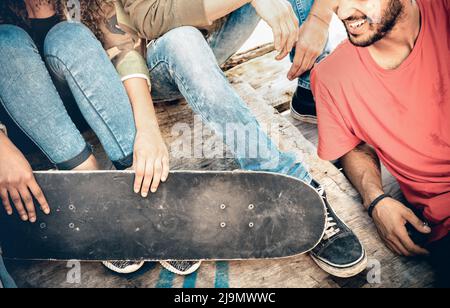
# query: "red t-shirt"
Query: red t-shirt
{"points": [[403, 113]]}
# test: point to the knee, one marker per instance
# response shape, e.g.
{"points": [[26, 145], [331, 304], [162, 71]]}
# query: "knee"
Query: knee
{"points": [[69, 38], [185, 44], [13, 39]]}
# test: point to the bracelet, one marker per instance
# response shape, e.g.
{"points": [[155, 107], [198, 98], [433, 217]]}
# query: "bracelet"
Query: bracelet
{"points": [[320, 18], [376, 202]]}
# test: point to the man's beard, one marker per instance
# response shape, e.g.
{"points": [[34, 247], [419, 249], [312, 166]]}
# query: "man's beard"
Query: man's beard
{"points": [[388, 21]]}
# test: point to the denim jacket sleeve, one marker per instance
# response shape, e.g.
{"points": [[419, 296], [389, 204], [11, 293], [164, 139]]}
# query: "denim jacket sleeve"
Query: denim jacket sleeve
{"points": [[153, 18]]}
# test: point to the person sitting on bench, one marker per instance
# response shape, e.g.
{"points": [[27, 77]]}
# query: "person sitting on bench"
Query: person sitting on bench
{"points": [[384, 95]]}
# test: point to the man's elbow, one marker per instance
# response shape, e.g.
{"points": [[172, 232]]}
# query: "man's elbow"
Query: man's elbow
{"points": [[361, 153]]}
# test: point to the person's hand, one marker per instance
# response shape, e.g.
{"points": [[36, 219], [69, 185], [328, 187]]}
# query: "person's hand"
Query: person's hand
{"points": [[17, 183], [391, 217], [151, 161], [312, 40], [280, 16]]}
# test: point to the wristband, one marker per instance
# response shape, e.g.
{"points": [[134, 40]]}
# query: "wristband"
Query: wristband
{"points": [[376, 202]]}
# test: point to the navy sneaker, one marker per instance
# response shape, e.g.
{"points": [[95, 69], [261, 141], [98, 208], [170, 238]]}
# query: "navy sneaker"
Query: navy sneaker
{"points": [[123, 267], [340, 253], [303, 106], [182, 268]]}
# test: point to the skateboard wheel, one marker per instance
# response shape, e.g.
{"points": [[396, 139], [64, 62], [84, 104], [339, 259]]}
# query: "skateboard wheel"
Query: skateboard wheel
{"points": [[223, 225], [251, 225], [223, 206]]}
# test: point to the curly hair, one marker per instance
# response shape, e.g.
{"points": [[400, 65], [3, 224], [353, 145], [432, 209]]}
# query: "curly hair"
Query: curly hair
{"points": [[13, 12], [92, 12]]}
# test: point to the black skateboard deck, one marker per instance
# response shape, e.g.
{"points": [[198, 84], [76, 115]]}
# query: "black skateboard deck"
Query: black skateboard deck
{"points": [[96, 216]]}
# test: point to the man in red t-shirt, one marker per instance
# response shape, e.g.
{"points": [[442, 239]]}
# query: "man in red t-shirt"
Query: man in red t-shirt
{"points": [[385, 95]]}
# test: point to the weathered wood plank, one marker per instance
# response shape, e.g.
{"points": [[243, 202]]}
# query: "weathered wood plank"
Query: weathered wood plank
{"points": [[269, 78], [241, 58]]}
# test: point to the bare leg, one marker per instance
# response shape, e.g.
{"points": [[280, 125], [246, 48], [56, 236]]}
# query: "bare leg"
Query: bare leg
{"points": [[90, 164]]}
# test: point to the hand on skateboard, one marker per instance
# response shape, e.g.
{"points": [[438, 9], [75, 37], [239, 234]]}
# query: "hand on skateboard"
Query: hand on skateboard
{"points": [[96, 216]]}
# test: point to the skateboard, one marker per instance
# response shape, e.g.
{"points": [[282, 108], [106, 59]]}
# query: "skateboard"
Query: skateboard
{"points": [[96, 216]]}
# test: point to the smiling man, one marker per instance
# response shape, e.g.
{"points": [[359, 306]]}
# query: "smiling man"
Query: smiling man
{"points": [[384, 95]]}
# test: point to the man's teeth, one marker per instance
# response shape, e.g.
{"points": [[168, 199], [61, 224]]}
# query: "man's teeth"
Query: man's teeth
{"points": [[357, 24]]}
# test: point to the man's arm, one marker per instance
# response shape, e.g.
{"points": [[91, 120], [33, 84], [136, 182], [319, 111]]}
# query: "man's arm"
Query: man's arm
{"points": [[154, 18], [313, 37], [362, 167], [324, 9], [217, 9]]}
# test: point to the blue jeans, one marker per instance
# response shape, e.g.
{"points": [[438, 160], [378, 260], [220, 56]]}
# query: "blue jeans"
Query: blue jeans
{"points": [[5, 279], [183, 63], [74, 61]]}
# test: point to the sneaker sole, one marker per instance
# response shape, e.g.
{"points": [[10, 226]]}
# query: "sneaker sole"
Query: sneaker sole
{"points": [[303, 118], [127, 270], [346, 272], [172, 269]]}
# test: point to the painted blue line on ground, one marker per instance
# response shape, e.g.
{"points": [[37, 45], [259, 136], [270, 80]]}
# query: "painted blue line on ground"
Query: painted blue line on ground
{"points": [[190, 281], [165, 279], [222, 275]]}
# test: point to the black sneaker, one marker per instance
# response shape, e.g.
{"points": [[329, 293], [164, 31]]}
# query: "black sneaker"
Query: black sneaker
{"points": [[340, 253], [303, 106], [182, 268], [123, 267]]}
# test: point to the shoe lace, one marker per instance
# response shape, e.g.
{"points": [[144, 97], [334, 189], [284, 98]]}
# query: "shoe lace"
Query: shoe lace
{"points": [[182, 265], [123, 264], [330, 229]]}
